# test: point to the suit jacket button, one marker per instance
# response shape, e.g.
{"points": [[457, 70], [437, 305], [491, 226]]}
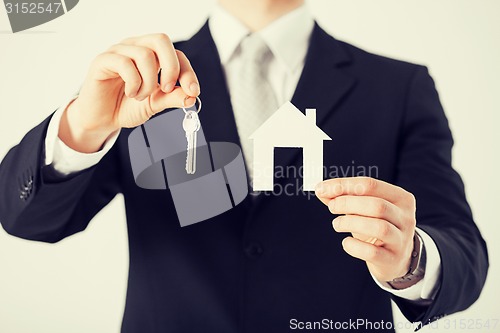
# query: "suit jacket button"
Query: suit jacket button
{"points": [[254, 250]]}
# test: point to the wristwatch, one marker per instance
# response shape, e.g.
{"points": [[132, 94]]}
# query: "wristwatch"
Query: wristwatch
{"points": [[417, 266]]}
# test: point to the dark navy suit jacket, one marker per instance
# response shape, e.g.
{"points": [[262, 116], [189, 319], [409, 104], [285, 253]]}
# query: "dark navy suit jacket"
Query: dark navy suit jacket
{"points": [[276, 258]]}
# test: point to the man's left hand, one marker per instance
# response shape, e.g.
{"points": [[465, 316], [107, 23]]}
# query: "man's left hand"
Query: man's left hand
{"points": [[372, 209]]}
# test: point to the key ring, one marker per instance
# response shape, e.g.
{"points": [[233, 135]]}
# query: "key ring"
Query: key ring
{"points": [[184, 104]]}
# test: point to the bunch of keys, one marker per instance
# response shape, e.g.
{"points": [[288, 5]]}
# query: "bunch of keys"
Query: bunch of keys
{"points": [[191, 125]]}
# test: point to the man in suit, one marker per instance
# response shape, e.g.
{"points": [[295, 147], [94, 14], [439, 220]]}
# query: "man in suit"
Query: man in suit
{"points": [[273, 263]]}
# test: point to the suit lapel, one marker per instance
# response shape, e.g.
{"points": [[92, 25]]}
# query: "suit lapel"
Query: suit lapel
{"points": [[323, 82]]}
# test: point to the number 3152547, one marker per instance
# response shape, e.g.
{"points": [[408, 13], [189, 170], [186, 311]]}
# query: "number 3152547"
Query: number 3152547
{"points": [[33, 8]]}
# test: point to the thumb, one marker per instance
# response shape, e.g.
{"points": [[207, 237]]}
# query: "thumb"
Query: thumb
{"points": [[177, 98]]}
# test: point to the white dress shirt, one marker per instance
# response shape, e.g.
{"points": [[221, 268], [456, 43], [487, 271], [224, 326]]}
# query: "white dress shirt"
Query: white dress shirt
{"points": [[288, 38]]}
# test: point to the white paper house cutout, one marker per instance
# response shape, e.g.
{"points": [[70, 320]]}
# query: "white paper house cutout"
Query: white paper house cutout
{"points": [[288, 127]]}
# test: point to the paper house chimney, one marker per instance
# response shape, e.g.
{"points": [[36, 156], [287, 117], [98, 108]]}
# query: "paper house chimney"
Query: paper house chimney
{"points": [[311, 115]]}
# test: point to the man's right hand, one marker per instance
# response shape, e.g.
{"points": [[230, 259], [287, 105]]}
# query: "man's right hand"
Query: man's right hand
{"points": [[121, 90]]}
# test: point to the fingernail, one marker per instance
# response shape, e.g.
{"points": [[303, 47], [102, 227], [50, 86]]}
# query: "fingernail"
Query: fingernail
{"points": [[190, 101], [169, 87], [194, 88]]}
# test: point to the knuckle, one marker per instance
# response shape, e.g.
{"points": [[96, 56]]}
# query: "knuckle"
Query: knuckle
{"points": [[162, 38], [126, 40], [97, 60], [411, 199], [112, 48], [147, 55], [122, 61], [383, 229], [412, 222], [134, 82], [101, 56], [380, 208], [370, 184]]}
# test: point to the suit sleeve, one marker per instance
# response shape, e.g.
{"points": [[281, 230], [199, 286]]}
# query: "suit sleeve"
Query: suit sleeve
{"points": [[425, 169], [37, 203]]}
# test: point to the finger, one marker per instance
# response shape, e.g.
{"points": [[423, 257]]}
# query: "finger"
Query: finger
{"points": [[376, 255], [167, 57], [366, 206], [175, 99], [366, 239], [369, 227], [361, 186], [146, 63], [187, 76], [116, 65]]}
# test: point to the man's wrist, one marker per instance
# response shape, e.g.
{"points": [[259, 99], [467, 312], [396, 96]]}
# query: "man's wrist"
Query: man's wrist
{"points": [[80, 139], [417, 266]]}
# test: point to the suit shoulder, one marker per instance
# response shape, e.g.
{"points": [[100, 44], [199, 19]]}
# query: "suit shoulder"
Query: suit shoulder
{"points": [[379, 64]]}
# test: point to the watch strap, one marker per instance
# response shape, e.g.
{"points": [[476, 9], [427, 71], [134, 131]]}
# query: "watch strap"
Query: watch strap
{"points": [[417, 266]]}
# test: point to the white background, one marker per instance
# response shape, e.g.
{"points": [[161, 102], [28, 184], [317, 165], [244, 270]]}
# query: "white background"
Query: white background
{"points": [[79, 284]]}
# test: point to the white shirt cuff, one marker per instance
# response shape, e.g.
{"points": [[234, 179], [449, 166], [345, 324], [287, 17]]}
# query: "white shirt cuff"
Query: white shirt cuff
{"points": [[65, 160], [426, 288]]}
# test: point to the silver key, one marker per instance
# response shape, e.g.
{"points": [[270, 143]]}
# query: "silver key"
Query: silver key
{"points": [[191, 125]]}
